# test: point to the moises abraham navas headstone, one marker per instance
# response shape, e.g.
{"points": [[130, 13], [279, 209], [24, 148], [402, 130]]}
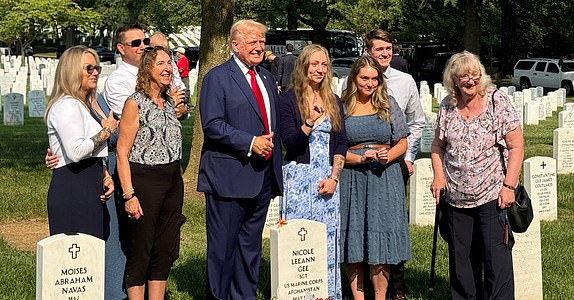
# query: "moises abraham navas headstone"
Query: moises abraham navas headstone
{"points": [[70, 267]]}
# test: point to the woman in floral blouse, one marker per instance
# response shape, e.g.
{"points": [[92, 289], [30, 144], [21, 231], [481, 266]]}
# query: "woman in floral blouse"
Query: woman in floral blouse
{"points": [[467, 164]]}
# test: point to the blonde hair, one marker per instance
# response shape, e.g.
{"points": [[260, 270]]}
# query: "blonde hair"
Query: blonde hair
{"points": [[241, 27], [460, 64], [379, 98], [143, 82], [69, 75], [300, 82]]}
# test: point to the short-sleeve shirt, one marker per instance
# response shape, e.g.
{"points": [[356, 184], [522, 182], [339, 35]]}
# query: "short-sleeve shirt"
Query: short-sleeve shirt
{"points": [[472, 162], [158, 140]]}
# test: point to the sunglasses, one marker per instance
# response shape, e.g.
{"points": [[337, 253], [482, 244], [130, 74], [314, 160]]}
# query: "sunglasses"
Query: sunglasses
{"points": [[151, 49], [137, 43], [90, 69]]}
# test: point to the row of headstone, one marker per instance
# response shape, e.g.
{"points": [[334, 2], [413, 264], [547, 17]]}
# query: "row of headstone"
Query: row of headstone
{"points": [[539, 180], [13, 107]]}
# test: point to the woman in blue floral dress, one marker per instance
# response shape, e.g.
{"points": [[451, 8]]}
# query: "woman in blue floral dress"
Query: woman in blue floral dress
{"points": [[374, 230], [313, 134]]}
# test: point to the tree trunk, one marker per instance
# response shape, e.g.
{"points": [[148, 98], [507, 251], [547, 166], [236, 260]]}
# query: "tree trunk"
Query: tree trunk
{"points": [[472, 13], [216, 21], [507, 43], [292, 15]]}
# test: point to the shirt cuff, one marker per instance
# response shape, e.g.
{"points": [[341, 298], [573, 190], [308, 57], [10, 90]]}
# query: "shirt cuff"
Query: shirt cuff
{"points": [[251, 147]]}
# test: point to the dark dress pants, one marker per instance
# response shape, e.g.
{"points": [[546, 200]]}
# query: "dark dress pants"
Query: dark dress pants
{"points": [[234, 228], [477, 240]]}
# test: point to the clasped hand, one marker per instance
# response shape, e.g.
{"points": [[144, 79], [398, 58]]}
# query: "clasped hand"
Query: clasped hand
{"points": [[381, 155], [263, 145]]}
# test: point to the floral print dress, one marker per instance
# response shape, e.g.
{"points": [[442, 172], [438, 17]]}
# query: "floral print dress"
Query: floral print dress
{"points": [[301, 199]]}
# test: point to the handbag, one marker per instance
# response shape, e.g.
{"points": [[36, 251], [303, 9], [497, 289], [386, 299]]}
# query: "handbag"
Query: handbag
{"points": [[520, 213]]}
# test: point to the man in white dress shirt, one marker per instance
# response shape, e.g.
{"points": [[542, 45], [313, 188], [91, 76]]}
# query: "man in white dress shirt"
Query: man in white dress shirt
{"points": [[402, 87], [130, 42]]}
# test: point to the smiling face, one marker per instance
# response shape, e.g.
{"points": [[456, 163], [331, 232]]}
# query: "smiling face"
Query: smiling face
{"points": [[318, 67], [132, 55], [382, 51], [89, 81], [367, 81], [248, 45], [468, 82], [161, 69]]}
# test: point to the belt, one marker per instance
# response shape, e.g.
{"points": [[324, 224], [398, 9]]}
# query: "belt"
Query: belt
{"points": [[369, 146]]}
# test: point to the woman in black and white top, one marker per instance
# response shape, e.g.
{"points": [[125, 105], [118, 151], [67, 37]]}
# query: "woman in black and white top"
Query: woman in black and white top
{"points": [[148, 162], [80, 182]]}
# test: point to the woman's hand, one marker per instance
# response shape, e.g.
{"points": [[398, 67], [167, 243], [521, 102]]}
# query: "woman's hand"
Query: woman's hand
{"points": [[108, 189], [505, 197], [51, 160], [327, 186], [370, 155], [133, 208], [438, 185], [383, 156], [110, 123]]}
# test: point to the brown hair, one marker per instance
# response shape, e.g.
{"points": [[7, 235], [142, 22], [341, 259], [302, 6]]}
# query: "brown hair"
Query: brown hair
{"points": [[143, 83], [379, 99], [377, 34]]}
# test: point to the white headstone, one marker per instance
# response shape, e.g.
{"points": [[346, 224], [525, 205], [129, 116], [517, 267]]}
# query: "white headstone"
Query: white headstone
{"points": [[563, 150], [568, 106], [426, 101], [436, 89], [511, 90], [13, 109], [299, 260], [540, 182], [504, 89], [531, 111], [428, 132], [561, 96], [527, 95], [273, 215], [566, 118], [539, 91], [527, 259], [425, 89], [541, 108], [422, 204], [36, 103], [70, 267], [546, 101], [553, 99], [517, 102]]}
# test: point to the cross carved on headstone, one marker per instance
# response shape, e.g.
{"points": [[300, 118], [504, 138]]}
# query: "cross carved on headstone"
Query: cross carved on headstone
{"points": [[302, 232], [543, 165], [74, 250]]}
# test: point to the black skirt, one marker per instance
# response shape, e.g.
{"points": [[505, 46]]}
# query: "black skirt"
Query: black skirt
{"points": [[74, 204]]}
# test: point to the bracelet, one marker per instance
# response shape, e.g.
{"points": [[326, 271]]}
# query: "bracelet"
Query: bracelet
{"points": [[107, 129], [335, 179], [308, 125], [130, 196], [508, 186], [128, 192], [107, 177]]}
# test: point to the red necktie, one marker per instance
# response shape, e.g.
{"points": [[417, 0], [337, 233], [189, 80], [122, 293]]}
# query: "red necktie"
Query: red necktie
{"points": [[260, 102]]}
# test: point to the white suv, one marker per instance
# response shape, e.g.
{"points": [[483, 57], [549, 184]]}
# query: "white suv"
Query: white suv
{"points": [[546, 72]]}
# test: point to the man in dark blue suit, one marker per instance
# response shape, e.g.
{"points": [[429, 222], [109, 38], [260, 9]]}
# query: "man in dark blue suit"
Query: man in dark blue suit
{"points": [[240, 167]]}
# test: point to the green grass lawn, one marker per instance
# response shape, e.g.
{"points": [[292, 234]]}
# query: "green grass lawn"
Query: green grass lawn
{"points": [[24, 182]]}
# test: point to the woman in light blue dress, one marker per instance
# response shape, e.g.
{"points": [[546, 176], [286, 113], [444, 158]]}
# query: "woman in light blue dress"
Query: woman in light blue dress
{"points": [[374, 230], [313, 133]]}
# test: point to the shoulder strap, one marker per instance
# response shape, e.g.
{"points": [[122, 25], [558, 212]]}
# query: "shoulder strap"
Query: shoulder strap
{"points": [[498, 145]]}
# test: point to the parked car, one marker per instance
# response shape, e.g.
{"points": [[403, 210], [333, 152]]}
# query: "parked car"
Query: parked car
{"points": [[342, 66], [105, 54], [545, 72]]}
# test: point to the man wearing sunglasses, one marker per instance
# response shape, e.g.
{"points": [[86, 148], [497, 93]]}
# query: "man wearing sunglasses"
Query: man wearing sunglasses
{"points": [[121, 83]]}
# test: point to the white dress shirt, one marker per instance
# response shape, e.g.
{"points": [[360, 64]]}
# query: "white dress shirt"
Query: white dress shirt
{"points": [[120, 85], [70, 129], [403, 88]]}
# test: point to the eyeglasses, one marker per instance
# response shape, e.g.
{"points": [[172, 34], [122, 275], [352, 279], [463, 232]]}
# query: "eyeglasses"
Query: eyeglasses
{"points": [[467, 78], [137, 43], [90, 69]]}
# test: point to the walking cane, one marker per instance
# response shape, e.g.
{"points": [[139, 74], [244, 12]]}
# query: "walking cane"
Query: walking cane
{"points": [[433, 255]]}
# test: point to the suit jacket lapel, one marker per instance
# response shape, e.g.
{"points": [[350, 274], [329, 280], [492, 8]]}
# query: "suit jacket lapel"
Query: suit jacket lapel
{"points": [[241, 81]]}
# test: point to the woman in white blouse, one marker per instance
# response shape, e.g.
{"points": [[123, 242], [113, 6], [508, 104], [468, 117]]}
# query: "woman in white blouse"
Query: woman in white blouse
{"points": [[80, 182]]}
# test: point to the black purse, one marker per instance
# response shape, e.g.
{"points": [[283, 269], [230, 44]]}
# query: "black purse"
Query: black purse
{"points": [[520, 213]]}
